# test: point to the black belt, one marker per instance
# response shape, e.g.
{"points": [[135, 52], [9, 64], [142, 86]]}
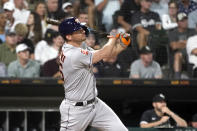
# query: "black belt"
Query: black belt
{"points": [[85, 103]]}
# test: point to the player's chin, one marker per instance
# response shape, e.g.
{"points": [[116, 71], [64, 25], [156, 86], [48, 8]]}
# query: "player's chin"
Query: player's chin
{"points": [[83, 37]]}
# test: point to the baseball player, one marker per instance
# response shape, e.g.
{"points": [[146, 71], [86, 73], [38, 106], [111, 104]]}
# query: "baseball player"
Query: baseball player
{"points": [[81, 107]]}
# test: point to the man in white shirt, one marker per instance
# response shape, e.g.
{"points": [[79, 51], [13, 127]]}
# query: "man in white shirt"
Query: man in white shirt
{"points": [[191, 48], [20, 13]]}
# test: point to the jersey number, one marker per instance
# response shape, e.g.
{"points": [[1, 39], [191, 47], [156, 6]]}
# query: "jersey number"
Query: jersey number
{"points": [[61, 59]]}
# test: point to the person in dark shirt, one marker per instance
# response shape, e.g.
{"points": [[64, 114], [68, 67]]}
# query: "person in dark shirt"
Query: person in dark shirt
{"points": [[128, 8], [111, 68], [161, 116], [144, 22], [51, 69], [177, 40], [194, 121]]}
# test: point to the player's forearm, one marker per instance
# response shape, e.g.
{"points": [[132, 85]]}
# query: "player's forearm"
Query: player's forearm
{"points": [[180, 122], [105, 51], [117, 49], [149, 125]]}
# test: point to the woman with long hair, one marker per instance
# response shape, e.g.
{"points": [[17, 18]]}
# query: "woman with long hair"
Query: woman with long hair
{"points": [[40, 9], [35, 28]]}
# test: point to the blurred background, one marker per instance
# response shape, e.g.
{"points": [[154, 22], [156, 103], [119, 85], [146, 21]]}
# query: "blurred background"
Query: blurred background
{"points": [[162, 58]]}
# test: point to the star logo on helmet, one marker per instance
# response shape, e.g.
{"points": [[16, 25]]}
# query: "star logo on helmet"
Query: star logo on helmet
{"points": [[77, 20]]}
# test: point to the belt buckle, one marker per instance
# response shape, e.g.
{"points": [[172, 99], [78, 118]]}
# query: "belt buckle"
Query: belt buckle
{"points": [[85, 103]]}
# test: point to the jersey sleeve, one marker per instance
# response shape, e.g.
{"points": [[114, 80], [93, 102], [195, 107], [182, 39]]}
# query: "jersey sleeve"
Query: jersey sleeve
{"points": [[82, 58], [145, 118]]}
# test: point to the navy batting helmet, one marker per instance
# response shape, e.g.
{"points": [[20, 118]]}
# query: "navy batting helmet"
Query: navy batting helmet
{"points": [[70, 25]]}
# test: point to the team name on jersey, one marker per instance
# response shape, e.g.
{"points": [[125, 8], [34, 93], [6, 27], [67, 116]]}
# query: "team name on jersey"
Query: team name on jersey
{"points": [[85, 52]]}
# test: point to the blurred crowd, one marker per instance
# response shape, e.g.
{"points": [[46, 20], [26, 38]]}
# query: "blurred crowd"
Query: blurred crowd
{"points": [[163, 32]]}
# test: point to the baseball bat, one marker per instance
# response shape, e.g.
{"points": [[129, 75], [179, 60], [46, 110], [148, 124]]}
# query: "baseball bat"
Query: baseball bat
{"points": [[100, 34], [57, 22]]}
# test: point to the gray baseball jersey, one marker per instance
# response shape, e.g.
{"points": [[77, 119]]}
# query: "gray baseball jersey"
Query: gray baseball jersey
{"points": [[79, 80], [80, 85]]}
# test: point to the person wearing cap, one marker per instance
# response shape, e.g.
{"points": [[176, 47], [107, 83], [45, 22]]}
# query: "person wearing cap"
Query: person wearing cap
{"points": [[145, 66], [23, 66], [9, 10], [2, 25], [194, 121], [7, 49], [67, 7], [76, 67], [144, 22], [21, 34], [160, 116], [177, 40]]}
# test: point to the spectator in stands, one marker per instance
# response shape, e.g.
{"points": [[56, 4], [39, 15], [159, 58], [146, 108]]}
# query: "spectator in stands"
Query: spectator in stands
{"points": [[159, 117], [51, 67], [21, 14], [128, 8], [194, 121], [191, 48], [68, 9], [187, 6], [144, 22], [2, 25], [169, 20], [9, 10], [92, 42], [21, 34], [83, 17], [178, 39], [160, 7], [111, 68], [34, 28], [50, 51], [52, 9], [89, 7], [3, 70], [23, 66], [192, 20], [107, 8], [7, 49], [40, 9], [145, 67]]}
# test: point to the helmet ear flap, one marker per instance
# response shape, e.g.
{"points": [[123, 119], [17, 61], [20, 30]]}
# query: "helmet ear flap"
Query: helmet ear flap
{"points": [[85, 28]]}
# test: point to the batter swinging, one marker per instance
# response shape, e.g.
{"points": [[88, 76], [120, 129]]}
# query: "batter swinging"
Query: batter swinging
{"points": [[81, 106]]}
